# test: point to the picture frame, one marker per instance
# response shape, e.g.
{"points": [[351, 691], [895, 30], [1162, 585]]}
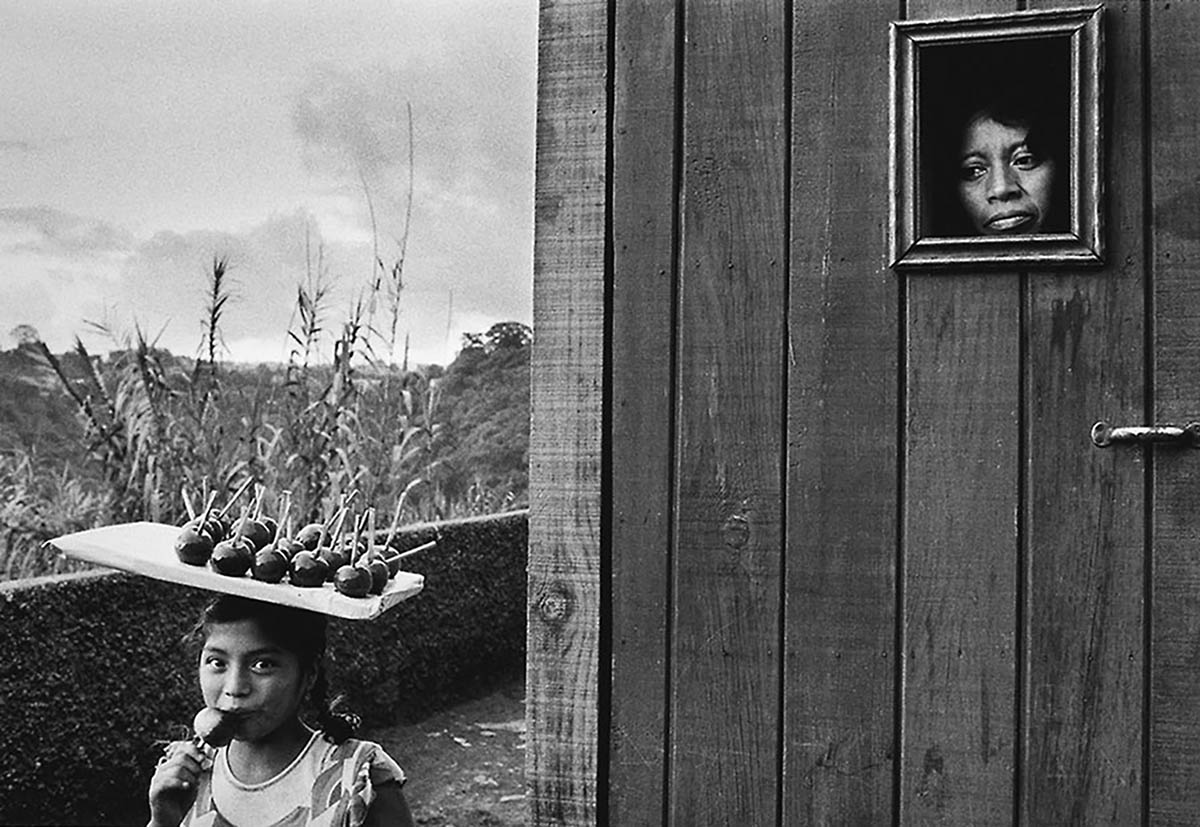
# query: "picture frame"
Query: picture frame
{"points": [[965, 191]]}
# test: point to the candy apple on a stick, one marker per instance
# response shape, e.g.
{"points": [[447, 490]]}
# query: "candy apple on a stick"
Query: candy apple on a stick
{"points": [[271, 563], [214, 727]]}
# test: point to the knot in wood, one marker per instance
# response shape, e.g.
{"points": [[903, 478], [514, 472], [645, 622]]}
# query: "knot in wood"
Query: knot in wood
{"points": [[736, 531], [555, 603]]}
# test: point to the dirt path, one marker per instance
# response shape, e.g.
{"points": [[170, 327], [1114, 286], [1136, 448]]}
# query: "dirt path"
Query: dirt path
{"points": [[466, 764]]}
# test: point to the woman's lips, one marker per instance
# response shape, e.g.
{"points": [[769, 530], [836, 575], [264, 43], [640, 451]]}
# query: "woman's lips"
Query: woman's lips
{"points": [[1006, 222]]}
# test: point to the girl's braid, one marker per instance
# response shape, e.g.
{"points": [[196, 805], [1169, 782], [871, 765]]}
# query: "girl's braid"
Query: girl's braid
{"points": [[335, 723]]}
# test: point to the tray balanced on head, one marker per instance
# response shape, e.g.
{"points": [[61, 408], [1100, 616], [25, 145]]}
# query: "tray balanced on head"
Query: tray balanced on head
{"points": [[148, 549]]}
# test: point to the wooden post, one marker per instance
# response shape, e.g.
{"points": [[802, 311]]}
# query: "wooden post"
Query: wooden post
{"points": [[563, 658]]}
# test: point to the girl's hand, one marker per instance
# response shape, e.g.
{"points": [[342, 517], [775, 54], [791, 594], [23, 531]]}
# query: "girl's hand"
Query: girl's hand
{"points": [[173, 786]]}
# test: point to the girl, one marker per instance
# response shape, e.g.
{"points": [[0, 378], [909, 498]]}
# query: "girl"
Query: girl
{"points": [[258, 664]]}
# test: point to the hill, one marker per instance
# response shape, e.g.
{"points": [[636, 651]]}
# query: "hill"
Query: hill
{"points": [[483, 402], [36, 417]]}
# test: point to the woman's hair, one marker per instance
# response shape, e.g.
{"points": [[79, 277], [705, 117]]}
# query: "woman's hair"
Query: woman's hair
{"points": [[1045, 137], [1011, 111], [1024, 83], [298, 631]]}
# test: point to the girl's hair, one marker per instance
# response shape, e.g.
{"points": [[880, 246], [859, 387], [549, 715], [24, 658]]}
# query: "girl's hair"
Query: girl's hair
{"points": [[298, 631]]}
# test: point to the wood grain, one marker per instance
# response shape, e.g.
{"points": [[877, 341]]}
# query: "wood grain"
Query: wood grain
{"points": [[1174, 90], [563, 656], [960, 549], [1084, 522], [643, 334], [959, 563], [725, 660], [841, 437]]}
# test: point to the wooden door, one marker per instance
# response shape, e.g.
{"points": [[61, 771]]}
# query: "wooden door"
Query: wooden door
{"points": [[813, 542], [1021, 555]]}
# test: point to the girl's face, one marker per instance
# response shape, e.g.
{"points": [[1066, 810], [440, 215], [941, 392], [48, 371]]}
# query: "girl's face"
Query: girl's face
{"points": [[1004, 186], [244, 672]]}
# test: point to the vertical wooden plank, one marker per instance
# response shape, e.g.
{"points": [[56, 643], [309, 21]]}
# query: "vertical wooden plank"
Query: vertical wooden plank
{"points": [[643, 220], [1084, 527], [562, 662], [841, 462], [960, 549], [959, 545], [725, 651], [1174, 90]]}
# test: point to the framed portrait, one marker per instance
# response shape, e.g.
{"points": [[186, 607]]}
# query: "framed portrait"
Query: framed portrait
{"points": [[996, 140]]}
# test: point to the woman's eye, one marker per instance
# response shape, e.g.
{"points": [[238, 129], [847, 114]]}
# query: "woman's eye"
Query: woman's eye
{"points": [[972, 172], [1025, 160], [214, 663], [263, 665]]}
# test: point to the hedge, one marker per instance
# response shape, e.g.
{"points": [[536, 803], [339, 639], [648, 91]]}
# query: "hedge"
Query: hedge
{"points": [[96, 673]]}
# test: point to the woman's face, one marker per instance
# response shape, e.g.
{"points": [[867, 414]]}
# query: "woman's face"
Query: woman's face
{"points": [[244, 672], [1003, 185]]}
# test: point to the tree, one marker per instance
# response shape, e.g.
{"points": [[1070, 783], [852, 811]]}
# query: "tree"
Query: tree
{"points": [[25, 334], [508, 335]]}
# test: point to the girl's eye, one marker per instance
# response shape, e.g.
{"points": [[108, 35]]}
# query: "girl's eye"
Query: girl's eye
{"points": [[263, 665], [214, 663]]}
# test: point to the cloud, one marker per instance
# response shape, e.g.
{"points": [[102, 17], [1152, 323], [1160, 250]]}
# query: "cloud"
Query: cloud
{"points": [[354, 123], [19, 146], [168, 278], [48, 231], [49, 278], [161, 286], [329, 94]]}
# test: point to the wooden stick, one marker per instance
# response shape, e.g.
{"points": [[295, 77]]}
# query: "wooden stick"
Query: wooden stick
{"points": [[208, 504], [343, 502], [328, 524], [359, 546], [395, 520], [237, 496], [333, 541], [371, 527], [260, 491], [286, 496], [187, 502], [354, 538], [412, 551]]}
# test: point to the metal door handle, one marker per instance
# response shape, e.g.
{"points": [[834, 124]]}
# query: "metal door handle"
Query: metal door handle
{"points": [[1104, 435]]}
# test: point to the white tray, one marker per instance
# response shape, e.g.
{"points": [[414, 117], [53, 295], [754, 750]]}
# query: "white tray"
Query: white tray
{"points": [[149, 549]]}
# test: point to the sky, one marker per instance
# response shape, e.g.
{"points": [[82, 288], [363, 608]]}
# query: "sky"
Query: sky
{"points": [[140, 139]]}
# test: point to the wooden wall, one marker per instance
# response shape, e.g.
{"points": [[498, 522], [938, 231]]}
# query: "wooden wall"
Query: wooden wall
{"points": [[816, 543], [1172, 252]]}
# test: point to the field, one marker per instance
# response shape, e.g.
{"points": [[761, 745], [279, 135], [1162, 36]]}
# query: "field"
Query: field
{"points": [[142, 434]]}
